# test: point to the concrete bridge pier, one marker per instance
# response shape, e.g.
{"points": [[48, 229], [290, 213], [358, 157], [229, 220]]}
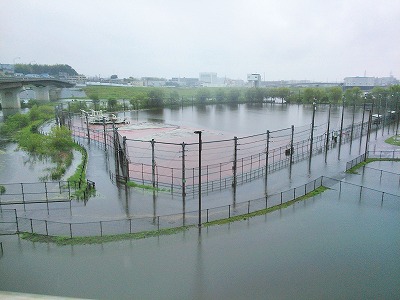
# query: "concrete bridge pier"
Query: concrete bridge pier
{"points": [[10, 98], [42, 93]]}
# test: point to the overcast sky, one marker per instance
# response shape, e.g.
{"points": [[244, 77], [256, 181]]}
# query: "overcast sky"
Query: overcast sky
{"points": [[281, 40]]}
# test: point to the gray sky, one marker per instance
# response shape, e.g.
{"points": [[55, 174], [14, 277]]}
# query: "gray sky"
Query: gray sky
{"points": [[285, 39]]}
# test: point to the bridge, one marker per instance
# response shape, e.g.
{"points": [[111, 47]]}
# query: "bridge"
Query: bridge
{"points": [[11, 87]]}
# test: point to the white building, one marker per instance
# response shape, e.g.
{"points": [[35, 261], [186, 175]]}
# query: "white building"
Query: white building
{"points": [[208, 77], [254, 79], [368, 83]]}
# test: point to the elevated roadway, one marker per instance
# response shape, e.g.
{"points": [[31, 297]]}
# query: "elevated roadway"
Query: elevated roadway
{"points": [[10, 87]]}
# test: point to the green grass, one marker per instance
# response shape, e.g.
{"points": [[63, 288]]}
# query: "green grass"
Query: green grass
{"points": [[146, 187], [64, 240], [354, 169], [394, 140], [316, 192]]}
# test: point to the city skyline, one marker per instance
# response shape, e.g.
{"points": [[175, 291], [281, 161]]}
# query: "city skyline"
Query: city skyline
{"points": [[289, 40]]}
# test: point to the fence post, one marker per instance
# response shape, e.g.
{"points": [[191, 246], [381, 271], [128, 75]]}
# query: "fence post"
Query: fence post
{"points": [[31, 225], [130, 225], [153, 164], [368, 134], [104, 133], [327, 133], [126, 160], [87, 127], [183, 171], [281, 198], [234, 167], [207, 215], [229, 211], [16, 219], [23, 195], [266, 158], [101, 229], [158, 223], [248, 207], [70, 230], [291, 147], [47, 231]]}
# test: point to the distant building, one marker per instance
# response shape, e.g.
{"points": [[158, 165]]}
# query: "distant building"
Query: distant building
{"points": [[208, 78], [368, 83], [254, 79], [77, 79], [6, 70], [153, 81], [186, 82]]}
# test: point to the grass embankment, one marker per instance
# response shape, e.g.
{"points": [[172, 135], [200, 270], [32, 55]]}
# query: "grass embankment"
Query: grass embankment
{"points": [[392, 140], [57, 145], [63, 240], [354, 169]]}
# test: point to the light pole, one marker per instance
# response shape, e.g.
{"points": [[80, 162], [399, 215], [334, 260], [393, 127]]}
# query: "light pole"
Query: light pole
{"points": [[199, 133]]}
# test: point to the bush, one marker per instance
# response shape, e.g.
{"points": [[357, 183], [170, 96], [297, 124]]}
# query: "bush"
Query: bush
{"points": [[61, 138]]}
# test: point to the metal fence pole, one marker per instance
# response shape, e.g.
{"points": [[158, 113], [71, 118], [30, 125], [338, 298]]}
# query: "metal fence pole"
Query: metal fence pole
{"points": [[327, 133], [291, 147], [234, 167], [153, 164], [183, 171], [266, 158]]}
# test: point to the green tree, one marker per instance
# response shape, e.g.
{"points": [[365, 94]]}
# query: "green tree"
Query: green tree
{"points": [[335, 94], [283, 93], [155, 98], [112, 104], [174, 98], [251, 95], [220, 95], [202, 95], [353, 96], [233, 95], [308, 95]]}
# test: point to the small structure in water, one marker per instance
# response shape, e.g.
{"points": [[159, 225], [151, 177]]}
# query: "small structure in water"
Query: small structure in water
{"points": [[96, 117]]}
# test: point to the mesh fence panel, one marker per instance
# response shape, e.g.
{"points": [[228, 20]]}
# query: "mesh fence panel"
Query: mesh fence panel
{"points": [[58, 229], [86, 229]]}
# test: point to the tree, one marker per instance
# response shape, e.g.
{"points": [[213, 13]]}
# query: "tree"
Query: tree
{"points": [[220, 95], [155, 98], [112, 104], [353, 96], [95, 100], [335, 94], [233, 95], [202, 95], [308, 95], [174, 98], [283, 93]]}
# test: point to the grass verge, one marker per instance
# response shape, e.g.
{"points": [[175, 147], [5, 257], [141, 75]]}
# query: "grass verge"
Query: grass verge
{"points": [[87, 240], [146, 187], [64, 240], [394, 140], [354, 169]]}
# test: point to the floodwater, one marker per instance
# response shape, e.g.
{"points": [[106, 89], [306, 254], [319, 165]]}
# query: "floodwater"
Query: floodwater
{"points": [[328, 247], [333, 246]]}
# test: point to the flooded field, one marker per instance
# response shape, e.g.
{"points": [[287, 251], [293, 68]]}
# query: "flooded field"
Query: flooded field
{"points": [[340, 244]]}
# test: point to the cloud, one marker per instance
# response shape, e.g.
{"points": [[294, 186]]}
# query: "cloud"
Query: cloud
{"points": [[286, 39]]}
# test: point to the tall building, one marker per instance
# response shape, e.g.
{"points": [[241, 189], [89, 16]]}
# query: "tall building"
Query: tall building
{"points": [[208, 77], [254, 79]]}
